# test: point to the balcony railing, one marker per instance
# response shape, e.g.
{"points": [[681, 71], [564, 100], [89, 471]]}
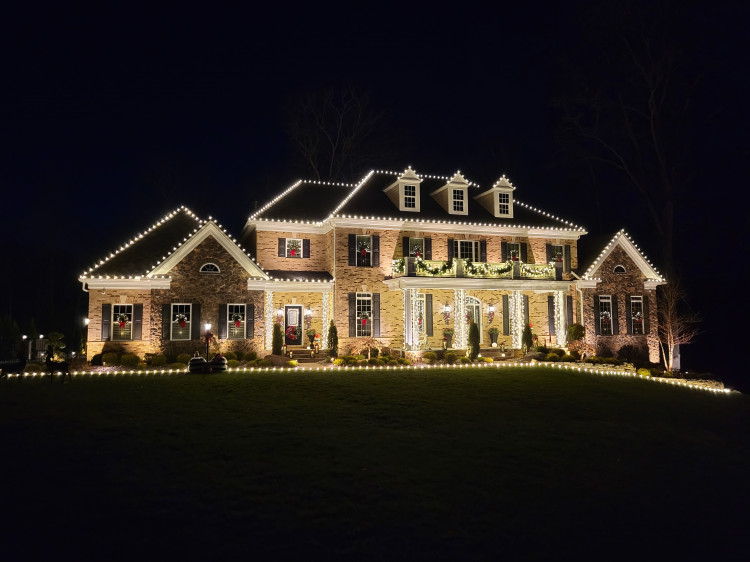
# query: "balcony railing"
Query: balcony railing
{"points": [[417, 267]]}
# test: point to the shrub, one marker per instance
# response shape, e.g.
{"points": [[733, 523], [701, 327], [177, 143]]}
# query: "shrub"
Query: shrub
{"points": [[575, 354], [374, 352], [375, 361], [464, 360], [568, 358], [393, 361], [536, 355], [96, 360], [130, 360], [557, 351], [644, 372], [493, 331], [110, 358], [278, 339], [183, 358], [474, 340], [402, 361], [450, 357], [339, 361], [229, 355], [447, 332], [487, 359], [637, 355], [264, 363], [158, 360], [429, 357], [250, 356], [233, 363], [292, 363], [554, 357], [603, 350], [527, 338], [333, 340], [575, 332]]}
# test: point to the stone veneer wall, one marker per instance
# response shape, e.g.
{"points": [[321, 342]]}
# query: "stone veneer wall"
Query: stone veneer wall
{"points": [[621, 285]]}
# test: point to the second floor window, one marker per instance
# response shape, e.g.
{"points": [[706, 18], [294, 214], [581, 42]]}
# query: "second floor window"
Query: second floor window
{"points": [[416, 247], [364, 251], [556, 251], [466, 249], [122, 322], [293, 248], [514, 251]]}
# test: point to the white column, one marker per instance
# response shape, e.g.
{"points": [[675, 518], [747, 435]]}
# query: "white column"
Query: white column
{"points": [[460, 332], [562, 336], [515, 302], [326, 319], [406, 317], [269, 315]]}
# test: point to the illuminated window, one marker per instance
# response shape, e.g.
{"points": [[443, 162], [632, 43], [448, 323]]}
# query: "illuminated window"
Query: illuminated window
{"points": [[122, 322], [636, 315], [181, 318], [605, 315], [236, 321], [416, 247], [514, 251], [293, 248], [466, 249], [556, 251]]}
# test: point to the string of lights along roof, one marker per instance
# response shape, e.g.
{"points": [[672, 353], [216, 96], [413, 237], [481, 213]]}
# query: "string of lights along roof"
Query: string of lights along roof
{"points": [[604, 252]]}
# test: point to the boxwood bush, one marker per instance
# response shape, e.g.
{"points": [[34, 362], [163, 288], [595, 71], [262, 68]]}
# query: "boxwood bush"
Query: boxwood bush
{"points": [[130, 360]]}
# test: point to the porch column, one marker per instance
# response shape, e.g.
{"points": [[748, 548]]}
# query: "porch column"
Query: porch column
{"points": [[414, 319], [326, 319], [269, 315], [515, 302], [460, 333], [560, 329], [406, 317]]}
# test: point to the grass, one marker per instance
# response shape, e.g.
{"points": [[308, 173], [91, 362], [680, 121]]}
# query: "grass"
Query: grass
{"points": [[528, 463]]}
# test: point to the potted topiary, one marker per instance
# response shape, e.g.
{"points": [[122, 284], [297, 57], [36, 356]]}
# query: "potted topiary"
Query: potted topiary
{"points": [[493, 335], [311, 335], [447, 336]]}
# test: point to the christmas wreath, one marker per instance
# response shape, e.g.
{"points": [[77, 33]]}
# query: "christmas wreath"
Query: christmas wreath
{"points": [[122, 319], [237, 319], [605, 316], [364, 317], [291, 333], [181, 319], [364, 247], [416, 250], [638, 317], [293, 247]]}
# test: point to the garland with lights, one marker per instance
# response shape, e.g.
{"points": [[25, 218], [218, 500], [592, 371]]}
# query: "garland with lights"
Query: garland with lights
{"points": [[537, 271], [486, 269], [437, 270], [399, 265]]}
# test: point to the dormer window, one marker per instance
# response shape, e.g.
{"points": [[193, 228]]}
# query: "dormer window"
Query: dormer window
{"points": [[458, 200], [498, 200], [410, 196], [503, 203]]}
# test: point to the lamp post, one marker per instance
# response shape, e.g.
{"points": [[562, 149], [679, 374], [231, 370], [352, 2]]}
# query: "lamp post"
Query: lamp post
{"points": [[39, 351], [27, 341], [209, 335], [85, 346]]}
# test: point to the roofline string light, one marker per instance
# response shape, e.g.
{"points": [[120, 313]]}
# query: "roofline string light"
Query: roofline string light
{"points": [[600, 258]]}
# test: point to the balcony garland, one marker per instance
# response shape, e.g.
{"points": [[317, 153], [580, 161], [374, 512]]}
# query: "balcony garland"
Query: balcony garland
{"points": [[531, 271], [437, 270], [486, 269], [399, 265]]}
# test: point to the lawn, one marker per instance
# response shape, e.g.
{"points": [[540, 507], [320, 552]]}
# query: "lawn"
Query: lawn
{"points": [[450, 464]]}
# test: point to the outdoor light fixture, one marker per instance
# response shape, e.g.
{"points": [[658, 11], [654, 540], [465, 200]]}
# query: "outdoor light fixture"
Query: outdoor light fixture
{"points": [[209, 335], [447, 307], [86, 321]]}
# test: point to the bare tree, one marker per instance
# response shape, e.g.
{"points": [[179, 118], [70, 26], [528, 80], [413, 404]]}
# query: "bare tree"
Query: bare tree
{"points": [[336, 133], [676, 325]]}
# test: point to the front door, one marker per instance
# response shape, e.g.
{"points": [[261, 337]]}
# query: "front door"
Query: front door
{"points": [[293, 325]]}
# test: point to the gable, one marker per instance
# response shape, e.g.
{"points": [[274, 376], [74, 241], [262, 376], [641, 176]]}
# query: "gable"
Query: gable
{"points": [[195, 243], [622, 251]]}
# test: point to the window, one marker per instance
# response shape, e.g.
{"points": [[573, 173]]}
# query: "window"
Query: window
{"points": [[636, 315], [503, 204], [236, 321], [619, 269], [466, 249], [181, 317], [364, 251], [293, 248], [364, 315], [410, 196], [605, 315], [556, 252], [122, 322], [210, 268], [419, 306], [514, 251], [416, 247], [458, 200]]}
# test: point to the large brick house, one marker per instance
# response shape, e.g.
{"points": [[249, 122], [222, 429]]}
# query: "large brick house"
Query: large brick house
{"points": [[396, 256]]}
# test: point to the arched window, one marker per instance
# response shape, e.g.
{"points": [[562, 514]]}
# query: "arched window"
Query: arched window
{"points": [[619, 269], [210, 268]]}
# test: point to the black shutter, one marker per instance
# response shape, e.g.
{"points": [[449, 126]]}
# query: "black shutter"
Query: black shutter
{"points": [[450, 249], [645, 314], [305, 247], [551, 314], [428, 248], [352, 249], [615, 319], [526, 309], [282, 247], [569, 309], [195, 322], [166, 321], [506, 316], [137, 321], [352, 315], [524, 252], [376, 315], [503, 252], [106, 321], [222, 331], [483, 250], [597, 324], [428, 313], [628, 318], [249, 321], [375, 251], [405, 246], [549, 252], [566, 257]]}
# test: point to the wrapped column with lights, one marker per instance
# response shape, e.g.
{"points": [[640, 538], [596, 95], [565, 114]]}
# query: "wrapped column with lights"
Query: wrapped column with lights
{"points": [[560, 329], [460, 329], [326, 317], [515, 302], [414, 319], [268, 316]]}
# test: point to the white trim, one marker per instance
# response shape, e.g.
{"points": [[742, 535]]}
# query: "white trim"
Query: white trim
{"points": [[623, 240], [457, 283], [137, 283], [209, 229]]}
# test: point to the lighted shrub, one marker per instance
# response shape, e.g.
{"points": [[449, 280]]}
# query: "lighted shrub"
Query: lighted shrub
{"points": [[402, 361], [488, 359], [643, 372], [130, 360], [375, 361], [292, 363], [392, 361], [575, 332], [464, 360], [110, 358], [339, 361]]}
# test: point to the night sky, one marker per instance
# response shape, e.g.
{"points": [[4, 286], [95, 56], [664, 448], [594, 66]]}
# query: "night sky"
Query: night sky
{"points": [[112, 117]]}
